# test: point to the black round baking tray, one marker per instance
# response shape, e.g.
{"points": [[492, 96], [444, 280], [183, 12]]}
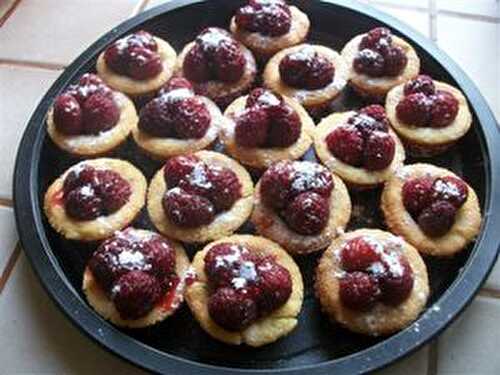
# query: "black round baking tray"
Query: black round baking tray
{"points": [[179, 346]]}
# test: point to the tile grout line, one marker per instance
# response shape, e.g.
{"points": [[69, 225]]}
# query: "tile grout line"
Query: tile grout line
{"points": [[432, 363], [433, 13], [31, 64], [6, 202], [7, 271], [488, 292], [9, 12]]}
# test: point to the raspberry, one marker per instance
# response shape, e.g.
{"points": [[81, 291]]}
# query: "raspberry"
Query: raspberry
{"points": [[377, 112], [379, 151], [232, 309], [142, 38], [187, 210], [225, 189], [346, 143], [358, 254], [246, 19], [276, 183], [437, 219], [307, 214], [396, 286], [415, 110], [307, 70], [359, 291], [195, 66], [160, 254], [100, 113], [422, 84], [373, 38], [416, 194], [88, 85], [174, 84], [275, 284], [369, 62], [178, 167], [395, 61], [113, 190], [285, 126], [135, 294], [310, 177], [90, 79], [222, 263], [252, 126], [86, 175], [143, 63], [157, 117], [444, 109], [115, 60], [450, 189], [275, 20], [367, 124], [192, 118], [229, 61], [263, 98], [82, 203], [68, 115]]}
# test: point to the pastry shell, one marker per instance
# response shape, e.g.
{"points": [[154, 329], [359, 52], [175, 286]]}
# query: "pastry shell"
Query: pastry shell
{"points": [[464, 230], [381, 319], [265, 330]]}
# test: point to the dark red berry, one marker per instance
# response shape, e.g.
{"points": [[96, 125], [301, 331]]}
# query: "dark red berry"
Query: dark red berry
{"points": [[176, 83], [395, 61], [367, 124], [144, 64], [113, 189], [187, 210], [246, 18], [100, 113], [437, 219], [369, 62], [192, 118], [307, 213], [274, 20], [222, 263], [157, 118], [88, 85], [225, 188], [232, 309], [444, 109], [285, 126], [306, 69], [375, 111], [82, 203], [310, 177], [415, 110], [79, 176], [450, 189], [160, 256], [135, 294], [179, 167], [142, 38], [417, 194], [379, 151], [396, 283], [229, 61], [90, 79], [373, 38], [276, 184], [422, 84], [359, 253], [275, 284], [252, 127], [115, 59], [68, 115], [359, 291], [346, 143], [195, 66], [263, 98]]}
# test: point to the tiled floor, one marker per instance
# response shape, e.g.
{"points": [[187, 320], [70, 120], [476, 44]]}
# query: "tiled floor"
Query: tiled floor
{"points": [[39, 336]]}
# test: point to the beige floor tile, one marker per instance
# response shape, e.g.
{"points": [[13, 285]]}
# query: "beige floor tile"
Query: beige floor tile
{"points": [[416, 19], [37, 31], [20, 91], [8, 236], [5, 7], [489, 8], [470, 345], [493, 281], [37, 338], [475, 46], [416, 364]]}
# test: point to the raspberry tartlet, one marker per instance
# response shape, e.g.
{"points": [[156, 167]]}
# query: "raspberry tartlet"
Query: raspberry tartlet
{"points": [[432, 208], [200, 197], [177, 122], [378, 61], [136, 278], [94, 198], [137, 64], [429, 116], [247, 290], [301, 205], [311, 74], [265, 127], [359, 146], [218, 66], [372, 282], [90, 119], [267, 27]]}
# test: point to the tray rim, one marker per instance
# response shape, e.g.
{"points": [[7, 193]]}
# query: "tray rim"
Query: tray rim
{"points": [[430, 324]]}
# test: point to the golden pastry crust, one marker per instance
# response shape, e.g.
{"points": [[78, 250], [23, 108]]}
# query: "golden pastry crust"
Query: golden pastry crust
{"points": [[105, 307], [264, 46], [270, 225], [163, 148], [103, 226], [308, 98], [224, 224], [427, 138], [264, 331], [259, 157], [379, 86], [381, 319], [97, 144], [353, 176], [220, 92], [134, 87], [464, 230]]}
